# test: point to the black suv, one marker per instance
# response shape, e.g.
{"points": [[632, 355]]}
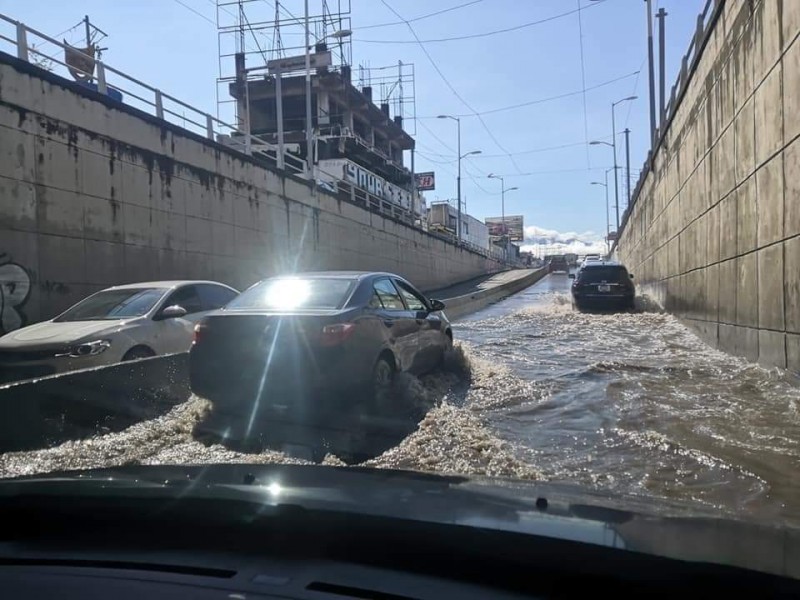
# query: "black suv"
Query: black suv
{"points": [[604, 285]]}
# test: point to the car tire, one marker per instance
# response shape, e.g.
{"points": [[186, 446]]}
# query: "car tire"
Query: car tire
{"points": [[138, 352], [381, 386]]}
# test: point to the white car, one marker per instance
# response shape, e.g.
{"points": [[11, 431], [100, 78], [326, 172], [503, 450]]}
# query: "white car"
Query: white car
{"points": [[120, 323]]}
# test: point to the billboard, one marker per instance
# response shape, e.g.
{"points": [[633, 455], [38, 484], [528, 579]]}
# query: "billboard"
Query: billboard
{"points": [[512, 227], [426, 181]]}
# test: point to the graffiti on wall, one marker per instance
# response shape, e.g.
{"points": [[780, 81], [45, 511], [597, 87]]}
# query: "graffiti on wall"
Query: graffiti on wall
{"points": [[15, 286]]}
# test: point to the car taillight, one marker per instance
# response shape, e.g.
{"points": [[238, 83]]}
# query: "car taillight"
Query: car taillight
{"points": [[199, 330], [333, 335]]}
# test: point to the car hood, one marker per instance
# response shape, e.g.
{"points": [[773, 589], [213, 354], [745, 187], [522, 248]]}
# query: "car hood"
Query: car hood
{"points": [[50, 332], [562, 512]]}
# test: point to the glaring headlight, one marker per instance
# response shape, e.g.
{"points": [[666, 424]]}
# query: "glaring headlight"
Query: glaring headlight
{"points": [[90, 348]]}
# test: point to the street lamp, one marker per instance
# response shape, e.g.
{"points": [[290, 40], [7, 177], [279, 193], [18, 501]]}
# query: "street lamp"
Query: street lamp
{"points": [[608, 213], [614, 146], [458, 180], [503, 191]]}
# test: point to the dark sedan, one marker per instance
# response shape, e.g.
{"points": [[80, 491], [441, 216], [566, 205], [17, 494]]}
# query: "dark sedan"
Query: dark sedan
{"points": [[310, 345], [603, 285]]}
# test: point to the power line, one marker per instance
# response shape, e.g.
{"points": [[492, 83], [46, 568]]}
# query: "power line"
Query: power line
{"points": [[583, 85], [199, 14], [485, 33], [449, 85], [543, 100], [523, 152], [420, 18]]}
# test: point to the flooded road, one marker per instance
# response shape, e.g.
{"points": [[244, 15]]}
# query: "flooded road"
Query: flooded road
{"points": [[629, 403], [636, 403]]}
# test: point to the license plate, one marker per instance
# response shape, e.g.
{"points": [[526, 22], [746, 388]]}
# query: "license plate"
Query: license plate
{"points": [[603, 288]]}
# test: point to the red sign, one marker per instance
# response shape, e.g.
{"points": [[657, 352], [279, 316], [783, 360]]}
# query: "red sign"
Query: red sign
{"points": [[426, 181]]}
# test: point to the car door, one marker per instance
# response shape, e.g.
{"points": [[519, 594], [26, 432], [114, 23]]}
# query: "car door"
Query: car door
{"points": [[431, 340], [175, 334], [399, 323]]}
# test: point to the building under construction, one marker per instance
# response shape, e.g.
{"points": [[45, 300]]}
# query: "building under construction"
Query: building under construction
{"points": [[357, 140]]}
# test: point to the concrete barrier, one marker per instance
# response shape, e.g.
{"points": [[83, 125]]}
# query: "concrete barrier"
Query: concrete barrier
{"points": [[460, 306], [48, 411], [45, 412]]}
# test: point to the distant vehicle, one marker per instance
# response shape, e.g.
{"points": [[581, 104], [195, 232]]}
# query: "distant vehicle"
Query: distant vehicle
{"points": [[302, 346], [557, 263], [120, 323], [603, 285], [589, 258]]}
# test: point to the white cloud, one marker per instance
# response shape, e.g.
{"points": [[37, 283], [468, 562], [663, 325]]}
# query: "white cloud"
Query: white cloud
{"points": [[542, 241]]}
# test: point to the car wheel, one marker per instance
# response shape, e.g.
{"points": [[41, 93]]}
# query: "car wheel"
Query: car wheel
{"points": [[138, 352], [382, 384]]}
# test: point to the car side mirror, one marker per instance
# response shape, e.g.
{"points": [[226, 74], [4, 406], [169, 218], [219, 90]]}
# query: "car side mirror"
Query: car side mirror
{"points": [[437, 305], [631, 275], [571, 275], [172, 312]]}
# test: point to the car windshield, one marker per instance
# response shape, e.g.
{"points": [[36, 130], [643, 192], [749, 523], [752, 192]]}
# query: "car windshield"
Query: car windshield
{"points": [[321, 293], [603, 197], [600, 274], [114, 304]]}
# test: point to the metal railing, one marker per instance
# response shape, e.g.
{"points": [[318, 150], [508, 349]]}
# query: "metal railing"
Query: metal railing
{"points": [[29, 45], [705, 24]]}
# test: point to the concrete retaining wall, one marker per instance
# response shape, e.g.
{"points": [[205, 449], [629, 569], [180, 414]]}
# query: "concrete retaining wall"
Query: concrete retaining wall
{"points": [[714, 235], [94, 193]]}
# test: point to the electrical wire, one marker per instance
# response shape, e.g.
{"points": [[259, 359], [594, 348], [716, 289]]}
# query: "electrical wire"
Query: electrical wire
{"points": [[199, 14], [420, 18], [485, 33], [543, 100], [450, 86]]}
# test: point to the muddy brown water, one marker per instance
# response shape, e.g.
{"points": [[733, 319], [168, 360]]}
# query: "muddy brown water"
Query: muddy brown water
{"points": [[630, 403]]}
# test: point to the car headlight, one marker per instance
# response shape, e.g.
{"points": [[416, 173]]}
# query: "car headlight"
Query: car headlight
{"points": [[89, 348]]}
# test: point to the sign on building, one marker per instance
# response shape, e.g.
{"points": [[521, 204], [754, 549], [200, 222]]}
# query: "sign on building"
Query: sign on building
{"points": [[512, 226], [425, 181]]}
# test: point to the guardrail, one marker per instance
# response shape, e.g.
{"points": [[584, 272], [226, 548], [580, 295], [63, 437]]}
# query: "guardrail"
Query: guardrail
{"points": [[29, 44], [705, 23]]}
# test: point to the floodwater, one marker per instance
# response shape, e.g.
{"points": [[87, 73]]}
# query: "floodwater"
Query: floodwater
{"points": [[631, 403]]}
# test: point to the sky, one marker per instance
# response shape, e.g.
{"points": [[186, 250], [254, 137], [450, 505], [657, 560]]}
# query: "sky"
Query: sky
{"points": [[564, 61]]}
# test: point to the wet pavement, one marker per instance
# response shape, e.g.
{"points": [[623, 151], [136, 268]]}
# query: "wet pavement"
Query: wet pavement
{"points": [[630, 403]]}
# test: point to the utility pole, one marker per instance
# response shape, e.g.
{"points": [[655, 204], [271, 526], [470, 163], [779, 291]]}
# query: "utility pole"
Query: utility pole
{"points": [[309, 122], [652, 74], [88, 31], [628, 164], [458, 183], [614, 148], [661, 16]]}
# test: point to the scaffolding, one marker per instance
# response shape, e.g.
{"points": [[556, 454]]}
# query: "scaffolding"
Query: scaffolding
{"points": [[262, 31]]}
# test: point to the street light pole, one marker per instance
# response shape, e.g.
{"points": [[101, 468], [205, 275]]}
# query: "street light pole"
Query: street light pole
{"points": [[503, 191], [614, 147], [458, 179], [628, 165], [608, 212], [309, 122], [458, 183]]}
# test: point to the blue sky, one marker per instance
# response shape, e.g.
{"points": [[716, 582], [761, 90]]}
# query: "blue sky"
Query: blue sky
{"points": [[173, 48]]}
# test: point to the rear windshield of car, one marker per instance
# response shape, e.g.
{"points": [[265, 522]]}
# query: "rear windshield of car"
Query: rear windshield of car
{"points": [[322, 293], [114, 304], [608, 274]]}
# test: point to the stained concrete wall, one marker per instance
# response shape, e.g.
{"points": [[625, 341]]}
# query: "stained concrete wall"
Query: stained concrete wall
{"points": [[93, 194], [714, 234]]}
